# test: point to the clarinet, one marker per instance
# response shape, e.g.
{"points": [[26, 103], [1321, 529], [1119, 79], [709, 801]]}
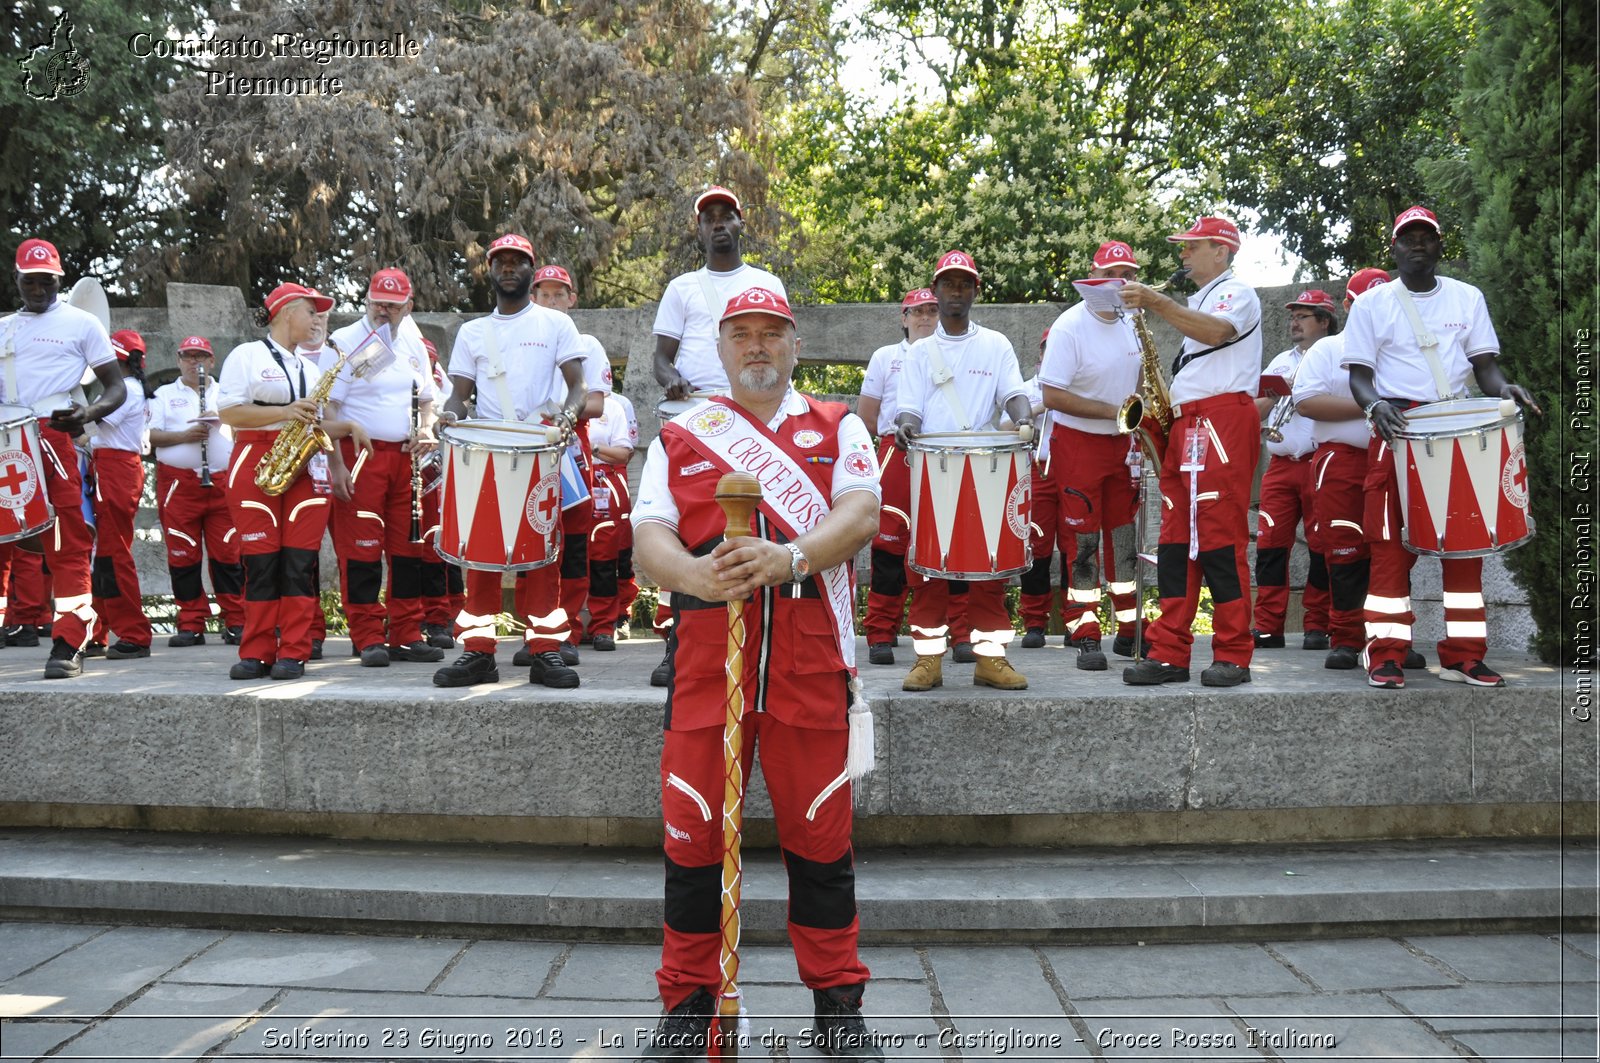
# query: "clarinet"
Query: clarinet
{"points": [[416, 467], [205, 461]]}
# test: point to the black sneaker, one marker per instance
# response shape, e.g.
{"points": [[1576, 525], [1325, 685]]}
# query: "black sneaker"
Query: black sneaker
{"points": [[1315, 640], [1225, 674], [22, 635], [417, 651], [64, 662], [841, 1032], [474, 666], [1122, 646], [1415, 662], [1472, 673], [881, 653], [94, 649], [185, 639], [1342, 658], [288, 668], [962, 653], [1265, 641], [248, 668], [1033, 639], [549, 669], [1090, 657], [569, 654], [1148, 673], [316, 649], [684, 1032], [126, 651], [234, 635], [523, 658], [438, 635], [376, 656], [661, 675], [605, 644], [1387, 676]]}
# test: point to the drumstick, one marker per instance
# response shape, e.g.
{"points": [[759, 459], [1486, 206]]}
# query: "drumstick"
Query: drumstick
{"points": [[1508, 408], [980, 434]]}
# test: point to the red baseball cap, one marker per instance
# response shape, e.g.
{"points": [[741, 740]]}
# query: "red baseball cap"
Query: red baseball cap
{"points": [[758, 301], [1114, 253], [39, 256], [718, 194], [511, 242], [1414, 216], [956, 261], [1312, 298], [389, 286], [1364, 281], [920, 297], [1220, 230], [553, 273], [125, 341], [284, 294], [196, 343]]}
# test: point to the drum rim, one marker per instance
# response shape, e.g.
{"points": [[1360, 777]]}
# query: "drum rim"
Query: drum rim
{"points": [[38, 529], [484, 566], [1467, 406], [1005, 443], [446, 437], [26, 414]]}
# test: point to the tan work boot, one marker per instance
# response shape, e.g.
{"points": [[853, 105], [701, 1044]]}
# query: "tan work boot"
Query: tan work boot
{"points": [[997, 672], [926, 674]]}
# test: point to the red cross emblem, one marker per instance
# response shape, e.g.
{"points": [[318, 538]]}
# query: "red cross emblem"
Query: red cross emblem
{"points": [[19, 480], [544, 503]]}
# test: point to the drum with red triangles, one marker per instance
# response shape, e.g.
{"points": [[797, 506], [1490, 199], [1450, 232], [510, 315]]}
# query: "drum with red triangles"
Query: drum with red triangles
{"points": [[500, 499], [1463, 478], [970, 505]]}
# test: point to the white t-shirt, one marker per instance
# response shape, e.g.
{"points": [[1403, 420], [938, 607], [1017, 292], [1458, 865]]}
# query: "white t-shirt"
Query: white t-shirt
{"points": [[381, 402], [1092, 359], [52, 350], [1236, 367], [984, 373], [1379, 335], [655, 495], [174, 408], [1297, 440], [1322, 374], [616, 426], [124, 427], [596, 366], [250, 374], [882, 382], [684, 316], [532, 343]]}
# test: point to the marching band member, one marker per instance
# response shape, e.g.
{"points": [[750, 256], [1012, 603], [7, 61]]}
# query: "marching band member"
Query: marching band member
{"points": [[372, 500], [1212, 449], [45, 348], [192, 458], [1393, 369], [686, 329], [117, 453], [26, 616], [267, 386], [1287, 488], [794, 571], [961, 367], [522, 359], [314, 349], [613, 436], [443, 588], [1089, 369]]}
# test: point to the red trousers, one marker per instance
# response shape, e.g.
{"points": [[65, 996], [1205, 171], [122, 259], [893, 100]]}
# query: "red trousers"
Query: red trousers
{"points": [[931, 626], [196, 524], [804, 774], [1388, 604], [69, 545], [376, 523], [576, 524], [888, 587], [279, 538], [610, 548], [1339, 472], [1287, 490], [118, 487], [443, 586], [537, 599], [29, 590], [1210, 463]]}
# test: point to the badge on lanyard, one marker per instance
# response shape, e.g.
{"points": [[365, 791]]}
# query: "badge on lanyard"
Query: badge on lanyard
{"points": [[317, 467], [1196, 444]]}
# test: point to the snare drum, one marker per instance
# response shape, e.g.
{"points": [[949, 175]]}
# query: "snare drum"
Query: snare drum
{"points": [[1463, 479], [25, 508], [971, 502], [500, 496]]}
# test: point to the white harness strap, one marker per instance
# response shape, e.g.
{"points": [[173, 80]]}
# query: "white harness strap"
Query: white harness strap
{"points": [[945, 381], [497, 374], [1427, 341]]}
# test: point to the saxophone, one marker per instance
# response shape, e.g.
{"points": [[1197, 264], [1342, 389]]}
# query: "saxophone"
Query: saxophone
{"points": [[286, 459], [1148, 412]]}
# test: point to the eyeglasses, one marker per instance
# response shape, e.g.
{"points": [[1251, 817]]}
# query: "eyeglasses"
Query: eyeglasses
{"points": [[1306, 316]]}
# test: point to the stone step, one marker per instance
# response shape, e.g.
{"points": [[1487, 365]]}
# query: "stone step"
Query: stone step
{"points": [[1168, 892]]}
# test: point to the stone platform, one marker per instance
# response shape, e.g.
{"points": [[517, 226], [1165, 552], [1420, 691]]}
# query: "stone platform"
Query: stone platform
{"points": [[1302, 754]]}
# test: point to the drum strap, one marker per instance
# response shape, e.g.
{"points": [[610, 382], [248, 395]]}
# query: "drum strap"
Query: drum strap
{"points": [[945, 381], [709, 291], [1427, 341], [497, 373]]}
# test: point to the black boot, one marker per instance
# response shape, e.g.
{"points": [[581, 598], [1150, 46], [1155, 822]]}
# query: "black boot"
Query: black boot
{"points": [[841, 1033], [683, 1032]]}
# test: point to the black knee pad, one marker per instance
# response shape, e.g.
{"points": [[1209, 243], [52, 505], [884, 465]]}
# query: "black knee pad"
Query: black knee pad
{"points": [[103, 579], [1221, 568], [574, 557], [1272, 566], [1037, 579], [1347, 584], [888, 573], [694, 898], [1172, 570], [405, 577], [603, 579], [821, 895], [225, 579], [1317, 574], [300, 573], [261, 577], [186, 585]]}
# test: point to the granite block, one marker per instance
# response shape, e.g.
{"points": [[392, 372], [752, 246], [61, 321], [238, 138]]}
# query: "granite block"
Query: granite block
{"points": [[27, 1038], [25, 945], [1145, 1029], [100, 973], [501, 969], [1490, 1006], [1094, 971], [1357, 1025], [172, 1022], [608, 972], [1375, 963], [389, 964], [1497, 957]]}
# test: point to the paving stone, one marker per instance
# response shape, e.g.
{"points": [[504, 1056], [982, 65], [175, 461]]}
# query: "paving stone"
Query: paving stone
{"points": [[1587, 944], [1497, 957], [1355, 1026], [23, 945], [1172, 1028], [1502, 1007], [332, 960], [1093, 971], [1375, 963], [988, 982], [1523, 1045], [501, 969], [96, 975], [24, 1039], [157, 1024], [609, 972]]}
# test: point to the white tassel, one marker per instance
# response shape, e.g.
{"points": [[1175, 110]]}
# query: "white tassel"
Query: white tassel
{"points": [[862, 755]]}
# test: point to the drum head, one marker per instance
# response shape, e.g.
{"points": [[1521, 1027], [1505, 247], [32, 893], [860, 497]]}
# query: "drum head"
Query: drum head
{"points": [[1453, 417], [507, 436]]}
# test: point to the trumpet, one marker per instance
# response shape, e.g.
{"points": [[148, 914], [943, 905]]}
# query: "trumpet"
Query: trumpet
{"points": [[1272, 431], [205, 462]]}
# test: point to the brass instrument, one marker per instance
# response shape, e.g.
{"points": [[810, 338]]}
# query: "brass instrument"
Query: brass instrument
{"points": [[286, 459], [205, 462], [1272, 431], [1148, 412]]}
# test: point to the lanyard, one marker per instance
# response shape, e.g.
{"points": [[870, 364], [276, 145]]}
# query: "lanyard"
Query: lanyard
{"points": [[277, 357]]}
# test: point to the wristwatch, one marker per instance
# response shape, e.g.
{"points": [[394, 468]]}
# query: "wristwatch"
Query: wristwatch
{"points": [[799, 567]]}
